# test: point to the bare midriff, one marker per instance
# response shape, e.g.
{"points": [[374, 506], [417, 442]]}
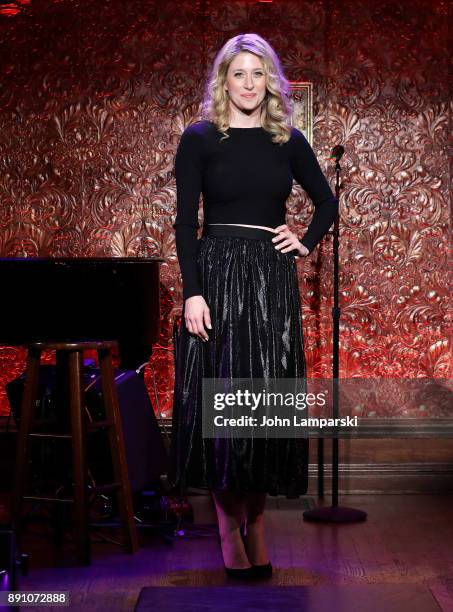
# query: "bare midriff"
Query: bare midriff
{"points": [[270, 229]]}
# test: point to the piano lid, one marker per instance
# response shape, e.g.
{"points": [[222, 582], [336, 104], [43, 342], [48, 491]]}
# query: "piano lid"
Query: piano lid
{"points": [[64, 298]]}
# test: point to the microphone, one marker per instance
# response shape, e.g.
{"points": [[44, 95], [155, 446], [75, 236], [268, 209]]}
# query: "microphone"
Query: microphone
{"points": [[337, 152]]}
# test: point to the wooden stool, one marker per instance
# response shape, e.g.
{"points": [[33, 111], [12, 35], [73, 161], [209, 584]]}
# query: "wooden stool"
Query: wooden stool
{"points": [[73, 351]]}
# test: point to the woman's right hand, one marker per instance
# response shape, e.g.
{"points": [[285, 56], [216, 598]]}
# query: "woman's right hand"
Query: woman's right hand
{"points": [[197, 316]]}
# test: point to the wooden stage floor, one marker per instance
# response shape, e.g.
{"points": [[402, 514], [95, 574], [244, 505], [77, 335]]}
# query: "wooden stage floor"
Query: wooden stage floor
{"points": [[407, 540]]}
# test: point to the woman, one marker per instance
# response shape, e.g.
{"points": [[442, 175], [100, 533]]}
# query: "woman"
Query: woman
{"points": [[242, 313]]}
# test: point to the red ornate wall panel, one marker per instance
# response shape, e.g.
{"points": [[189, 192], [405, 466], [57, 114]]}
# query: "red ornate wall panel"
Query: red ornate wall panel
{"points": [[95, 95]]}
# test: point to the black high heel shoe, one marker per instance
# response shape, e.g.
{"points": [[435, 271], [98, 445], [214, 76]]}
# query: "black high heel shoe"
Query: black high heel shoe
{"points": [[246, 573], [262, 571], [259, 571], [238, 573]]}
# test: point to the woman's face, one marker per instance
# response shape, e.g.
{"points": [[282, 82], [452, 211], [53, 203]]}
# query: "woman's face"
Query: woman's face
{"points": [[246, 82]]}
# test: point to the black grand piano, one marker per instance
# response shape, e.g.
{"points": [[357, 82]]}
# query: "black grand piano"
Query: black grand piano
{"points": [[69, 300], [74, 299]]}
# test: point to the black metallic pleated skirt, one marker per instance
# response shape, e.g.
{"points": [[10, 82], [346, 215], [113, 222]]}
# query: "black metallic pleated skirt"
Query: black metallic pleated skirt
{"points": [[252, 293]]}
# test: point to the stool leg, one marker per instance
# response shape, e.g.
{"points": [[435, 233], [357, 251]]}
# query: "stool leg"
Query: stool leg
{"points": [[79, 468], [27, 413], [117, 449]]}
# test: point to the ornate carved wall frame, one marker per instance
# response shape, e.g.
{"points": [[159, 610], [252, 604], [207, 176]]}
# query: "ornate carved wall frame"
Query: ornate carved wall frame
{"points": [[302, 117]]}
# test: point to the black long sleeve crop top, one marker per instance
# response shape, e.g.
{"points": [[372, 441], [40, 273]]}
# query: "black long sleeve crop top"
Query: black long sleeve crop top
{"points": [[244, 179]]}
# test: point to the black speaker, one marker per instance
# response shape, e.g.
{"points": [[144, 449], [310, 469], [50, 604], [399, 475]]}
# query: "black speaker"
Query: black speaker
{"points": [[145, 450]]}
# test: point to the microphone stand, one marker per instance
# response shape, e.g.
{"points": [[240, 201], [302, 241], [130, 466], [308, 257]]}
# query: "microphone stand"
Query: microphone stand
{"points": [[334, 513]]}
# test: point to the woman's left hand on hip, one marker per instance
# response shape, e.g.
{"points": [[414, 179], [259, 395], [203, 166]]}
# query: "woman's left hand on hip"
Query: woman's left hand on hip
{"points": [[288, 241]]}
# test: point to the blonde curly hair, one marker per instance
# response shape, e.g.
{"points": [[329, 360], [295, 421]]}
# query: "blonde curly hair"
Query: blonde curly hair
{"points": [[277, 105]]}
